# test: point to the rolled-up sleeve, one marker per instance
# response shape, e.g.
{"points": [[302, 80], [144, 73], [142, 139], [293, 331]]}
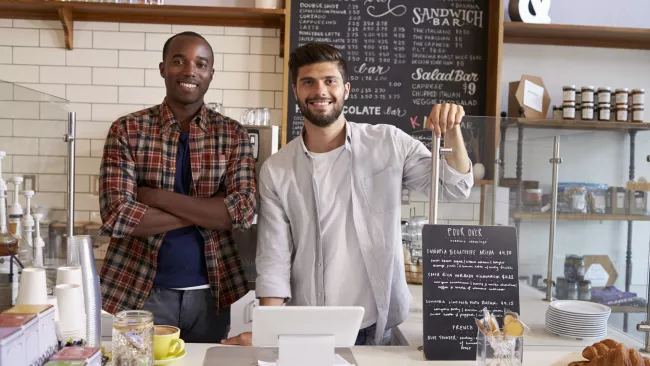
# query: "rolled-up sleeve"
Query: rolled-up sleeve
{"points": [[417, 170], [119, 210], [241, 186], [274, 243]]}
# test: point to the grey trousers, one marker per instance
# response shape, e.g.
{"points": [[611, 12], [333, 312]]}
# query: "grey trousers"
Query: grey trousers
{"points": [[193, 311]]}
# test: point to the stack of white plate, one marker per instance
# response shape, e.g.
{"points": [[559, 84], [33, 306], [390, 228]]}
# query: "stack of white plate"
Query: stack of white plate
{"points": [[577, 319]]}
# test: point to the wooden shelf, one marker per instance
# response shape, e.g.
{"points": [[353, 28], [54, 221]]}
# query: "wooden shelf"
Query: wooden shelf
{"points": [[578, 217], [576, 125], [576, 35], [69, 11]]}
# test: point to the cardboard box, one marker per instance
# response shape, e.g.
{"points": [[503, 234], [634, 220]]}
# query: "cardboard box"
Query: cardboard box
{"points": [[528, 98]]}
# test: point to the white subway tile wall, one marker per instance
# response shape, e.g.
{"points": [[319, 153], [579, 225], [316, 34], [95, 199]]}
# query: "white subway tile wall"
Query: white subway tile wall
{"points": [[112, 71]]}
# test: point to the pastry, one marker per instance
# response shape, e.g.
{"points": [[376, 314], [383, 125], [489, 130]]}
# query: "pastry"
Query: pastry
{"points": [[611, 353]]}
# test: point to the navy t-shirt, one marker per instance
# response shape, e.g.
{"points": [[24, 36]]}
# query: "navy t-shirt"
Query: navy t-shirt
{"points": [[181, 258]]}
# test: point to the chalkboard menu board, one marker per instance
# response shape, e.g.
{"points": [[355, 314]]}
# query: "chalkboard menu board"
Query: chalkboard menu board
{"points": [[403, 57], [465, 269]]}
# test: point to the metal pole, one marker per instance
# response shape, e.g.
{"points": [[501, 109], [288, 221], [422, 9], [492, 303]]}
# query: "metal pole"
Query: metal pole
{"points": [[645, 326], [556, 161], [69, 137], [436, 150], [495, 185]]}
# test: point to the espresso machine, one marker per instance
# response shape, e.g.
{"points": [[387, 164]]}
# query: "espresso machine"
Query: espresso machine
{"points": [[266, 142]]}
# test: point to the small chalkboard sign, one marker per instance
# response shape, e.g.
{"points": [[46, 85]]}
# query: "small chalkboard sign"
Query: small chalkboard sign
{"points": [[465, 269]]}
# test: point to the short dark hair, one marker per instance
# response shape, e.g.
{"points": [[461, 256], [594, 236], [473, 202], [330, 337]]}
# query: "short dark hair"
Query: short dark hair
{"points": [[312, 53], [187, 33]]}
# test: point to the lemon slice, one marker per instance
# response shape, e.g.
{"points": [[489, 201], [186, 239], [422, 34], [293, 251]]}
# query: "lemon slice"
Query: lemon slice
{"points": [[509, 317], [514, 328]]}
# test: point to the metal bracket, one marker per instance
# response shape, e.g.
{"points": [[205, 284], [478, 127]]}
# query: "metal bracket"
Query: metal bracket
{"points": [[553, 160], [645, 328]]}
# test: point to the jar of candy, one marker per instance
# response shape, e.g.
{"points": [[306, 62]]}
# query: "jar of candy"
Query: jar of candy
{"points": [[584, 291], [572, 290], [574, 268], [133, 338]]}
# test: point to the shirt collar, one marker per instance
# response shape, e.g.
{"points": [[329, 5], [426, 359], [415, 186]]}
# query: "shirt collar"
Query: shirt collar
{"points": [[348, 139], [168, 119]]}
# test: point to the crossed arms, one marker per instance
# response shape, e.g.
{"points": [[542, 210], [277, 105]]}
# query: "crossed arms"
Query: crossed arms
{"points": [[129, 210]]}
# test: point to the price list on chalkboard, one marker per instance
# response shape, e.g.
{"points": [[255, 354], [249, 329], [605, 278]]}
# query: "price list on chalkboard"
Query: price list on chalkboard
{"points": [[404, 56], [465, 269]]}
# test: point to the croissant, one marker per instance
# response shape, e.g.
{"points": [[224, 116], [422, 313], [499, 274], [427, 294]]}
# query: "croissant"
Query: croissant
{"points": [[598, 350], [635, 357], [611, 353]]}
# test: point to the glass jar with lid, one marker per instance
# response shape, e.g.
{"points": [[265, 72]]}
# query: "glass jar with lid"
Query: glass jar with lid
{"points": [[569, 93], [621, 112], [638, 96], [604, 95], [637, 113], [574, 267], [588, 94], [584, 290], [133, 338], [587, 111], [604, 112], [622, 96], [569, 110], [572, 290]]}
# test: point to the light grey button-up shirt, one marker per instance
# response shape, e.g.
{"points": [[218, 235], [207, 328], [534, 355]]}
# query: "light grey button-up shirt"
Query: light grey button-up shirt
{"points": [[289, 258]]}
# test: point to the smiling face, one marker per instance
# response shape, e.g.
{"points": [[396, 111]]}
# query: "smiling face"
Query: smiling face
{"points": [[187, 70], [321, 92]]}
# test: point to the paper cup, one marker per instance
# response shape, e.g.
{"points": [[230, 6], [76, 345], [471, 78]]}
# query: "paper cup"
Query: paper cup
{"points": [[32, 289], [71, 276], [72, 319]]}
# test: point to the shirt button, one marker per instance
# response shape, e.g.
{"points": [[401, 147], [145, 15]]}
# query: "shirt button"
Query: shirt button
{"points": [[320, 264], [320, 294]]}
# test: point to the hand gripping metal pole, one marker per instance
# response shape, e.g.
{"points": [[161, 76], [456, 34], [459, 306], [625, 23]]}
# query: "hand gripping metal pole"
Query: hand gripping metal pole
{"points": [[436, 150]]}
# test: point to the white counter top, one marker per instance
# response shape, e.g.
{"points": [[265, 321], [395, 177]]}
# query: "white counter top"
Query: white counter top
{"points": [[541, 348]]}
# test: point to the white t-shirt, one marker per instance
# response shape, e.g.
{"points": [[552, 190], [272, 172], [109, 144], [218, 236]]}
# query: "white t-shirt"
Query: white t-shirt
{"points": [[346, 278]]}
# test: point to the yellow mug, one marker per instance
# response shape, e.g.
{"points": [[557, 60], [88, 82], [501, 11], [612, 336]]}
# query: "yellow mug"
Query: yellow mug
{"points": [[166, 342]]}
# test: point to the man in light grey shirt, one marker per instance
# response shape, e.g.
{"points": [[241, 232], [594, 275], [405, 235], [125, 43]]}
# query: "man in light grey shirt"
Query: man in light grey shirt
{"points": [[329, 229]]}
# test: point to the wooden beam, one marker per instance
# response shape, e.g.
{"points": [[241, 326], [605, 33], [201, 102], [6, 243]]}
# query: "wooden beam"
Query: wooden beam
{"points": [[65, 15], [285, 70], [493, 84]]}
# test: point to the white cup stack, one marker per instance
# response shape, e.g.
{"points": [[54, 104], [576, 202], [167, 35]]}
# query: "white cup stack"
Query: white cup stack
{"points": [[72, 319], [32, 289], [70, 276]]}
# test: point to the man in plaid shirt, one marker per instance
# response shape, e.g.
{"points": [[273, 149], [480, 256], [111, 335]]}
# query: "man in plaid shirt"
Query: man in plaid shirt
{"points": [[175, 180]]}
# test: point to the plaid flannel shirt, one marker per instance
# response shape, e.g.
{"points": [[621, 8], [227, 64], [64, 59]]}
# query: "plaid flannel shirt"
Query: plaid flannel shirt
{"points": [[140, 150]]}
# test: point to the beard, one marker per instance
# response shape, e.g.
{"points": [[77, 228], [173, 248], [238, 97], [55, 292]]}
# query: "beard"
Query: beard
{"points": [[321, 119]]}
